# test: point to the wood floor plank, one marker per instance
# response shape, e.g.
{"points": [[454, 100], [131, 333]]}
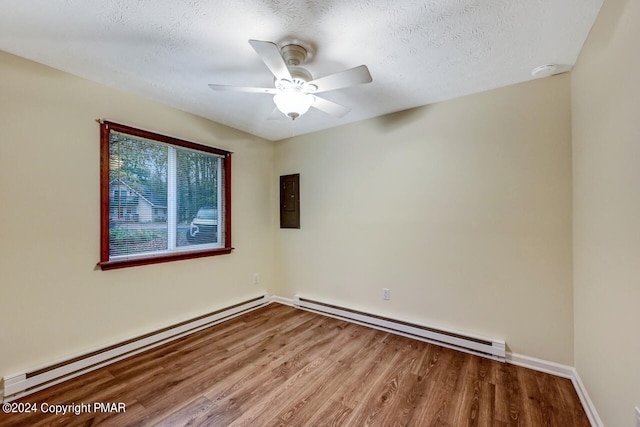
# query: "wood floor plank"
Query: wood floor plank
{"points": [[330, 413], [342, 356], [433, 409], [280, 399], [279, 356], [335, 384], [187, 415], [570, 408], [475, 404], [388, 397], [301, 370], [280, 366], [507, 389], [379, 352]]}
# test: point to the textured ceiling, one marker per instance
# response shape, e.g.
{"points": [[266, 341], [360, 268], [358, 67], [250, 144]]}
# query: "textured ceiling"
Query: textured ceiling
{"points": [[418, 51]]}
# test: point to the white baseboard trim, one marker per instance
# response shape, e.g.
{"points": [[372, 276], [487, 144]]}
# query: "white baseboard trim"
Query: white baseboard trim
{"points": [[540, 365], [25, 383], [586, 401], [481, 346], [282, 300]]}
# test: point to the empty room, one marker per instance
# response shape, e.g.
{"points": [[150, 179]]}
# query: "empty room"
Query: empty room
{"points": [[367, 212]]}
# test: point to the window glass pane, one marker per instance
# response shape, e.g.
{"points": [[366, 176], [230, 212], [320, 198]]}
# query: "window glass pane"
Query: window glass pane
{"points": [[199, 219], [137, 195]]}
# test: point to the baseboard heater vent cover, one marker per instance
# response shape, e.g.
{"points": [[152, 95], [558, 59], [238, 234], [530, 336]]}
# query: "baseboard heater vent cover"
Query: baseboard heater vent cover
{"points": [[490, 348], [19, 385]]}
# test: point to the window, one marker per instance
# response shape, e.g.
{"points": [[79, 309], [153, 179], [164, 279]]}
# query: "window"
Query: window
{"points": [[162, 198]]}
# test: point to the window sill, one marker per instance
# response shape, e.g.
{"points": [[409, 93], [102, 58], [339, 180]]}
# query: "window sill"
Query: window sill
{"points": [[134, 262]]}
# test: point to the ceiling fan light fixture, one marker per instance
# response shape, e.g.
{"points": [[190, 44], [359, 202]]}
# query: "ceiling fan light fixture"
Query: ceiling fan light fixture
{"points": [[293, 104]]}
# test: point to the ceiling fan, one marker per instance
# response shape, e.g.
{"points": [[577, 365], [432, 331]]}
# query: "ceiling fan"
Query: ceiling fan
{"points": [[294, 89]]}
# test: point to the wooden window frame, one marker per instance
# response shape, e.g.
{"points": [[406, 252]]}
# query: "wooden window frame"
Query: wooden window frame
{"points": [[107, 264]]}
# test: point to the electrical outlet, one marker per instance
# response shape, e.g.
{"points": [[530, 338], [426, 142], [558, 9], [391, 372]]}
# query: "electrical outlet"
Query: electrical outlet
{"points": [[637, 416], [386, 294], [256, 278]]}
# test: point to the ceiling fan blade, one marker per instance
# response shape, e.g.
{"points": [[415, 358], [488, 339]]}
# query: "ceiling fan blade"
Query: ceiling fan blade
{"points": [[351, 77], [243, 89], [330, 107], [270, 55]]}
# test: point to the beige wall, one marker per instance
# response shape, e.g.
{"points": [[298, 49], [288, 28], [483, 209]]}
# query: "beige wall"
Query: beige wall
{"points": [[54, 302], [606, 176], [462, 209]]}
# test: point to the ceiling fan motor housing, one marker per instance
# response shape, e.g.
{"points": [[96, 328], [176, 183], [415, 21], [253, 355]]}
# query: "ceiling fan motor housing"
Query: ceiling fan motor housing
{"points": [[300, 76], [293, 54], [299, 81]]}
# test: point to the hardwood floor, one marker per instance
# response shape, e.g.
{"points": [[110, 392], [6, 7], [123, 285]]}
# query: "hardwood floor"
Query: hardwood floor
{"points": [[280, 366]]}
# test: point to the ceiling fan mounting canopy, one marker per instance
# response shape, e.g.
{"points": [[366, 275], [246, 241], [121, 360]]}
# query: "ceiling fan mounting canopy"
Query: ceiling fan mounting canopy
{"points": [[295, 89], [294, 54]]}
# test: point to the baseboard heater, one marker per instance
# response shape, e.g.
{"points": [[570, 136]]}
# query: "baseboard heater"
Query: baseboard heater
{"points": [[19, 385], [489, 348]]}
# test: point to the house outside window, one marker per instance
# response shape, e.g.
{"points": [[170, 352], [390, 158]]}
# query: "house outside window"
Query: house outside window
{"points": [[163, 198]]}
